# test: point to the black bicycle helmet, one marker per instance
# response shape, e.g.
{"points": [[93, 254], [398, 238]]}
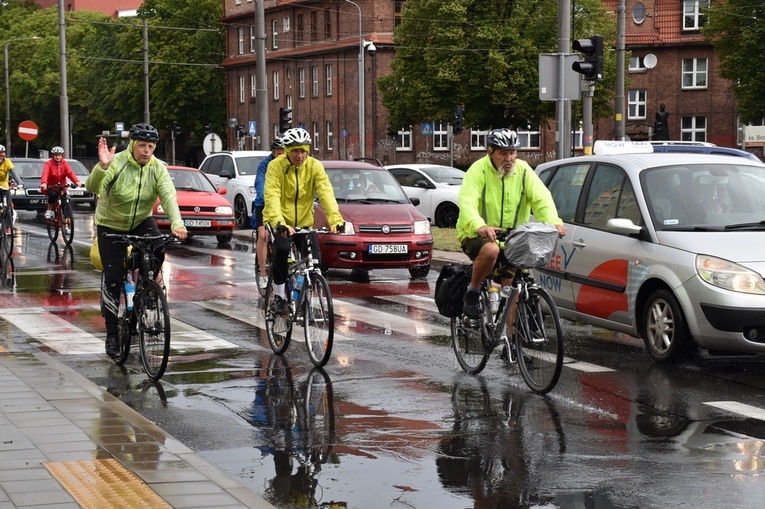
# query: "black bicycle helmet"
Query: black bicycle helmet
{"points": [[57, 150], [277, 143], [144, 132], [504, 138]]}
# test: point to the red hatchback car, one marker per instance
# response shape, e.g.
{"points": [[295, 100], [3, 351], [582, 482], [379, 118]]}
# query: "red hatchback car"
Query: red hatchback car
{"points": [[384, 229], [203, 209]]}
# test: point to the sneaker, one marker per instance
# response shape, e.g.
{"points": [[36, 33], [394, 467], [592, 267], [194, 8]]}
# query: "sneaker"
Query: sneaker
{"points": [[263, 282], [112, 345], [279, 306], [49, 214], [470, 303]]}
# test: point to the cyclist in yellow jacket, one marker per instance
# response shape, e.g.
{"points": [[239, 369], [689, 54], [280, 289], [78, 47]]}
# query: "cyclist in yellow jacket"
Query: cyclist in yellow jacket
{"points": [[292, 181], [6, 175], [499, 191]]}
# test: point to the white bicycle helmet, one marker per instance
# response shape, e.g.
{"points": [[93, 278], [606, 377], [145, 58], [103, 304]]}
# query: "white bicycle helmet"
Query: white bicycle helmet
{"points": [[57, 150], [504, 138], [2, 148], [296, 136]]}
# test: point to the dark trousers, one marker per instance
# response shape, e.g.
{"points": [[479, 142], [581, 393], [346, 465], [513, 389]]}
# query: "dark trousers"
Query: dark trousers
{"points": [[282, 251]]}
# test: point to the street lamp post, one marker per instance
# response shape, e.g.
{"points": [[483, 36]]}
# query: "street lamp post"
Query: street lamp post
{"points": [[8, 90], [362, 46]]}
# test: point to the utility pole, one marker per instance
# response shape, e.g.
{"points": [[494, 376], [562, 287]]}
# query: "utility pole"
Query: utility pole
{"points": [[146, 115], [64, 100], [619, 133], [261, 92], [563, 107]]}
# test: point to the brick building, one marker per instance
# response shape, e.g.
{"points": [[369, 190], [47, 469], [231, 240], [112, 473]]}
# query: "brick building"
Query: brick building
{"points": [[312, 51], [113, 8]]}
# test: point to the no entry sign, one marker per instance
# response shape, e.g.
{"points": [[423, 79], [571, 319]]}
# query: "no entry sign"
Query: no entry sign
{"points": [[27, 130]]}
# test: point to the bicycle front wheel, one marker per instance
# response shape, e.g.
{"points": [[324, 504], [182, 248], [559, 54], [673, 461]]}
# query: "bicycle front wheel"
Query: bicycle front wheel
{"points": [[318, 320], [153, 329], [7, 271], [123, 326], [278, 325], [67, 224], [468, 339], [539, 341], [7, 226], [53, 223]]}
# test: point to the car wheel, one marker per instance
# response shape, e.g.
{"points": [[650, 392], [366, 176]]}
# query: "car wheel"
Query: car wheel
{"points": [[242, 216], [665, 332], [419, 272], [224, 238], [446, 215]]}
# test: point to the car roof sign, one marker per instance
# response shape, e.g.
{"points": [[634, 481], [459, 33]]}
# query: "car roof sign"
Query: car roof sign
{"points": [[610, 147]]}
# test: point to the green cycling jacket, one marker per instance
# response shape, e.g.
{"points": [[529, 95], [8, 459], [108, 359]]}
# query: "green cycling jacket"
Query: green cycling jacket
{"points": [[289, 192], [488, 198], [128, 191]]}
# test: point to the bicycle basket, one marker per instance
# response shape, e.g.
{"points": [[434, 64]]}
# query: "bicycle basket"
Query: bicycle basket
{"points": [[531, 245]]}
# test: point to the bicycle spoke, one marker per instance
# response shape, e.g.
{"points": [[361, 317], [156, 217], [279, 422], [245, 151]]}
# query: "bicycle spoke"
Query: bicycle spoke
{"points": [[468, 343], [278, 326], [319, 321], [123, 328], [153, 329], [67, 224], [539, 341]]}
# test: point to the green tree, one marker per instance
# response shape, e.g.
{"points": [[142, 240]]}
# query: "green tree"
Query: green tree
{"points": [[736, 28], [483, 55]]}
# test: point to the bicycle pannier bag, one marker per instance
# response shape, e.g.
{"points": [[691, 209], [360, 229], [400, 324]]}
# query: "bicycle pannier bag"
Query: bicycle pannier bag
{"points": [[531, 245], [450, 288]]}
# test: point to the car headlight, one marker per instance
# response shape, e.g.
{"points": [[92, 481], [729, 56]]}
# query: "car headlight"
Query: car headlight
{"points": [[224, 211], [160, 210], [421, 227], [729, 275]]}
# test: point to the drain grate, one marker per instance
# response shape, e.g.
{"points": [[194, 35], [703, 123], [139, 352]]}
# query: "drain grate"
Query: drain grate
{"points": [[100, 484]]}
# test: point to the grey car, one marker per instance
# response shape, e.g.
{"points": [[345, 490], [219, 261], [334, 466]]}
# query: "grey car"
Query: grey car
{"points": [[667, 247], [30, 197]]}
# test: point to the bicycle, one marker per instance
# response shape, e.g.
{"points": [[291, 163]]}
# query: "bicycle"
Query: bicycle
{"points": [[269, 255], [310, 302], [63, 217], [6, 241], [536, 340], [149, 312]]}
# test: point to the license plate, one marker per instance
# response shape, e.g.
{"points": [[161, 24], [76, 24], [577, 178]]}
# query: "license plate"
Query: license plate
{"points": [[76, 192], [199, 223], [35, 201], [388, 249]]}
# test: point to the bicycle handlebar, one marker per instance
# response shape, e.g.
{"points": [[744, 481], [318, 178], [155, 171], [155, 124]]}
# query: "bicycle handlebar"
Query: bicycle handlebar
{"points": [[140, 241]]}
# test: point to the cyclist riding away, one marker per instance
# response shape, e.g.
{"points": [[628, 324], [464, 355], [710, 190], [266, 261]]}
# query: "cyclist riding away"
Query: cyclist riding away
{"points": [[7, 174], [55, 172], [499, 191], [277, 149], [292, 180], [127, 185]]}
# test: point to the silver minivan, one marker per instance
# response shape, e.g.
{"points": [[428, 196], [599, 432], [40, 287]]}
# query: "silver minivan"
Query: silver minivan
{"points": [[666, 247]]}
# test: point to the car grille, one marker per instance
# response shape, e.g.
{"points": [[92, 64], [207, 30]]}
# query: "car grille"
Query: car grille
{"points": [[199, 211], [394, 228]]}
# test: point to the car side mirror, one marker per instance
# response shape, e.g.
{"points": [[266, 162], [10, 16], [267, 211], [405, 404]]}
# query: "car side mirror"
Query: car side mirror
{"points": [[422, 183], [623, 226], [227, 173], [415, 201]]}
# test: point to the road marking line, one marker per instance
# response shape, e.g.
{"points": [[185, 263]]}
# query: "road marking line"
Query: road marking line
{"points": [[585, 366], [387, 320], [739, 408]]}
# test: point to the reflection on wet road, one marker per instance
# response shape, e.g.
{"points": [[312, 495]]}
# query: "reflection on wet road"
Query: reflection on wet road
{"points": [[391, 421]]}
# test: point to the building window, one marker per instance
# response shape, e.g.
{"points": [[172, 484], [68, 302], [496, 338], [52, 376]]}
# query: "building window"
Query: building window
{"points": [[404, 141], [252, 39], [316, 138], [694, 73], [440, 136], [241, 89], [330, 137], [637, 104], [637, 64], [314, 26], [276, 85], [398, 8], [327, 24], [300, 31], [288, 101], [578, 137], [328, 78], [274, 34], [253, 86], [529, 139], [638, 13], [240, 34], [693, 129], [315, 81], [478, 139], [301, 83], [693, 17], [286, 24]]}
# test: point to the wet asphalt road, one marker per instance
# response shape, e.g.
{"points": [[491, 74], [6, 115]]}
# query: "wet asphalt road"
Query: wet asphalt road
{"points": [[391, 421]]}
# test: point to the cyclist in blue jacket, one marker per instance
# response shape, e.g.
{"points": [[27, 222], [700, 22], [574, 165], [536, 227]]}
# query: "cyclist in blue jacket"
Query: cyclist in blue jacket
{"points": [[277, 149]]}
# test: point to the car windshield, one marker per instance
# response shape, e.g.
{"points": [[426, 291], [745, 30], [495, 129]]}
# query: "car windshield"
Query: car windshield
{"points": [[445, 174], [248, 165], [79, 169], [29, 169], [185, 180], [706, 197], [365, 185]]}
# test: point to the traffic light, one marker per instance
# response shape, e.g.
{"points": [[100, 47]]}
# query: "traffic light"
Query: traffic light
{"points": [[285, 119], [457, 127], [592, 65], [176, 129]]}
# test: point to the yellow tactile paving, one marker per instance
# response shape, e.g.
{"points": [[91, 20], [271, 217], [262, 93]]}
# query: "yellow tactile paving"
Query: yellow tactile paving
{"points": [[100, 484]]}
